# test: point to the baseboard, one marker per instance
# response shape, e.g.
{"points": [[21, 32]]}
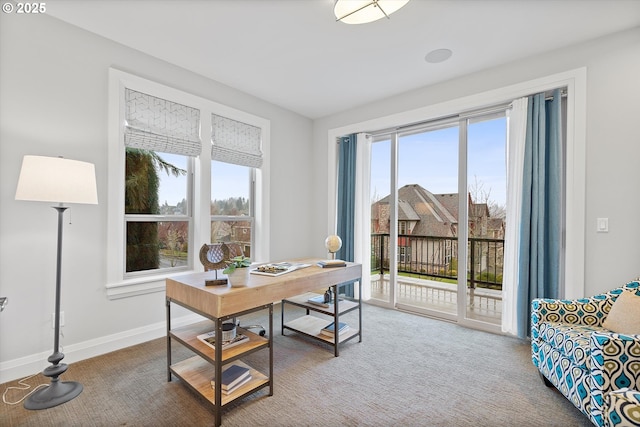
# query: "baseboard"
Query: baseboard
{"points": [[25, 366]]}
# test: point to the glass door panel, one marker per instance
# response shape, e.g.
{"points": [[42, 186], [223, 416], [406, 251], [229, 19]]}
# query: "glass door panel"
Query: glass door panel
{"points": [[427, 221], [487, 183]]}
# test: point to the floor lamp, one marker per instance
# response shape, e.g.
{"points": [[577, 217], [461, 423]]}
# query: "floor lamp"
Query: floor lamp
{"points": [[57, 180]]}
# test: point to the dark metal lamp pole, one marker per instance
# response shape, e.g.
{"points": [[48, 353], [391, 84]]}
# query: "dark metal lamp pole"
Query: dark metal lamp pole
{"points": [[57, 392]]}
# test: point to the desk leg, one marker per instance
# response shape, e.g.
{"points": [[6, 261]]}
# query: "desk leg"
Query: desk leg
{"points": [[218, 375], [360, 310], [168, 340], [271, 348], [336, 320], [282, 303]]}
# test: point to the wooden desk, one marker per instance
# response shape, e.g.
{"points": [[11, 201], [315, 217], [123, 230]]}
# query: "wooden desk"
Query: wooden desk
{"points": [[246, 293]]}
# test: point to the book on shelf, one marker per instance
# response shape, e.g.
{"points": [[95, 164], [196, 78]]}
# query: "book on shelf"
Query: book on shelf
{"points": [[319, 301], [237, 386], [329, 330], [233, 377], [209, 338], [278, 269], [330, 263]]}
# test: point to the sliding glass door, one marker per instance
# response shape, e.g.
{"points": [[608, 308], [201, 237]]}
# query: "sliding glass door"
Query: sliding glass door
{"points": [[437, 218]]}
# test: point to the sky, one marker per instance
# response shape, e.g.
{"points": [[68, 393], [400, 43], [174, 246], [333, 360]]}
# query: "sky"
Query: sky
{"points": [[430, 159], [227, 181]]}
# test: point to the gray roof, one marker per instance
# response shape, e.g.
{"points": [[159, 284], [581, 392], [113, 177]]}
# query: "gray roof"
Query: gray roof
{"points": [[435, 214], [406, 212]]}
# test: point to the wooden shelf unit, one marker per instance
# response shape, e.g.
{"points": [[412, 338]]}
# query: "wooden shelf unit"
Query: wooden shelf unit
{"points": [[311, 326], [198, 371]]}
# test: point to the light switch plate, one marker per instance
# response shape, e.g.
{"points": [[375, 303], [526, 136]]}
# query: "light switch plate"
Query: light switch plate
{"points": [[603, 225]]}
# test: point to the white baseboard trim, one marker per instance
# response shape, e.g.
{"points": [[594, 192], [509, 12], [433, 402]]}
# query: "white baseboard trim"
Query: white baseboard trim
{"points": [[28, 365]]}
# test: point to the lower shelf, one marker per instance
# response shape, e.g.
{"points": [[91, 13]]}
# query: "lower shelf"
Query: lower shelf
{"points": [[197, 373], [312, 325]]}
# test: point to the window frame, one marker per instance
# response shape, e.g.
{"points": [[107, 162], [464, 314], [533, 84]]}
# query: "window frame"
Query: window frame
{"points": [[121, 284]]}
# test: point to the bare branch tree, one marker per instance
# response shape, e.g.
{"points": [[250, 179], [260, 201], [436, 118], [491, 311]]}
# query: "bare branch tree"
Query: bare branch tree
{"points": [[481, 195]]}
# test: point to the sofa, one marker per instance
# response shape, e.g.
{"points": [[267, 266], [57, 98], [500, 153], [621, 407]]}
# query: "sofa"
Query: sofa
{"points": [[589, 349]]}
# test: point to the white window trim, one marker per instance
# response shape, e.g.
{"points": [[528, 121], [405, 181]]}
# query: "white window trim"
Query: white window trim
{"points": [[119, 287], [576, 83]]}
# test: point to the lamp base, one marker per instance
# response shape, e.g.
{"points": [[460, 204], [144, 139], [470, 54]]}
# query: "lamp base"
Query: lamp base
{"points": [[57, 393]]}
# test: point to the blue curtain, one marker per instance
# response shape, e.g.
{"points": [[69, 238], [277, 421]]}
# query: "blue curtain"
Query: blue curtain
{"points": [[347, 200], [540, 226]]}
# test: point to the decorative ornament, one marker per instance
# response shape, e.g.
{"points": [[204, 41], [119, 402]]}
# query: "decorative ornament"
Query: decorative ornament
{"points": [[333, 244], [213, 257]]}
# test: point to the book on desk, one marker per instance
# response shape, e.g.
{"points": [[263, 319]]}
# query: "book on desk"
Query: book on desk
{"points": [[332, 263]]}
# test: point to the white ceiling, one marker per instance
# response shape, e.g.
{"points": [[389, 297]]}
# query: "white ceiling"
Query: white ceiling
{"points": [[294, 54]]}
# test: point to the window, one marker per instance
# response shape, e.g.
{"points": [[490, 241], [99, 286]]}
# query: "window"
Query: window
{"points": [[157, 210], [183, 171], [231, 206], [160, 137], [236, 153], [404, 254]]}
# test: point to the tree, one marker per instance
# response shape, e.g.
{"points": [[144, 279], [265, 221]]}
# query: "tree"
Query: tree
{"points": [[480, 195]]}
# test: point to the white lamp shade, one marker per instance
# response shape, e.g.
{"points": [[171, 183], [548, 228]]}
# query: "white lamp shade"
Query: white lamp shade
{"points": [[363, 11], [55, 179]]}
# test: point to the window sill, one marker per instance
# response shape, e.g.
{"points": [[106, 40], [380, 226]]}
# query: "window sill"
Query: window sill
{"points": [[140, 285]]}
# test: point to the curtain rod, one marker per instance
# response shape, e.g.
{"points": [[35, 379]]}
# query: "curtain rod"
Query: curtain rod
{"points": [[464, 115]]}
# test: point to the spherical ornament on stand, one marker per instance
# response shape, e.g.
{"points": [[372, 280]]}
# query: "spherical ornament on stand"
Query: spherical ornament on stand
{"points": [[333, 244], [213, 257]]}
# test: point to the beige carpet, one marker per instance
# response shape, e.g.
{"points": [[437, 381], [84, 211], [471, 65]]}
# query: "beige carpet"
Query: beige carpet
{"points": [[408, 371]]}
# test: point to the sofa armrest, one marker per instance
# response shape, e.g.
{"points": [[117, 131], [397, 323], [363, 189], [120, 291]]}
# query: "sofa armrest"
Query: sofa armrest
{"points": [[615, 364], [622, 408], [585, 311]]}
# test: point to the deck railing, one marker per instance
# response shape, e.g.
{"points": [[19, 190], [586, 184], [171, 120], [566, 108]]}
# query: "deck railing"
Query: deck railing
{"points": [[434, 257]]}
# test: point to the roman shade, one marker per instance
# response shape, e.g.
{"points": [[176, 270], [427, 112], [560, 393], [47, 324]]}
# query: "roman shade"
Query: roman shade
{"points": [[235, 142], [157, 124]]}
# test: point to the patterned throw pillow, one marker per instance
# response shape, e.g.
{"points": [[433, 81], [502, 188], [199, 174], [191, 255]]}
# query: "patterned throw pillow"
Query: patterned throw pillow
{"points": [[624, 317]]}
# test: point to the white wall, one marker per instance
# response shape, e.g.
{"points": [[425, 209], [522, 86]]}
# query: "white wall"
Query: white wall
{"points": [[53, 86], [612, 148]]}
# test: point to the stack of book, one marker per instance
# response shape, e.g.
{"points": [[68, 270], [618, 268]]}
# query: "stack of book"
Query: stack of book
{"points": [[234, 377], [330, 329], [332, 263]]}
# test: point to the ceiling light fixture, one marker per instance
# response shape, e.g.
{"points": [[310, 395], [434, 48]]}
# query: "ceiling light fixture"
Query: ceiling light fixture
{"points": [[364, 11]]}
